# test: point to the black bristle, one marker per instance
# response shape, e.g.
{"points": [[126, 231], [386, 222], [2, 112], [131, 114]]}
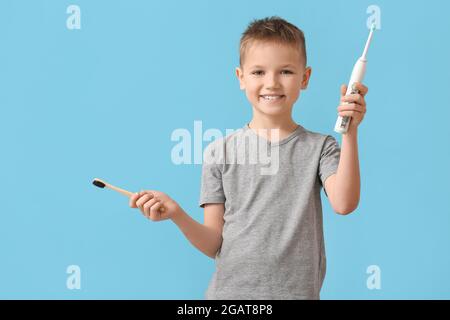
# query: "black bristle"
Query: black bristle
{"points": [[98, 184]]}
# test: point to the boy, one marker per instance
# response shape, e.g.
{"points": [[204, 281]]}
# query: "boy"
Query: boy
{"points": [[265, 230]]}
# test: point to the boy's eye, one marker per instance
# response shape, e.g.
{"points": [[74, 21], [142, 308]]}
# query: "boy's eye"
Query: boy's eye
{"points": [[257, 72], [260, 72]]}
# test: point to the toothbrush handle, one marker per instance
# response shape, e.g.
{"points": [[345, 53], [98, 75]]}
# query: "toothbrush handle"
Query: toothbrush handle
{"points": [[120, 190], [125, 192], [358, 72]]}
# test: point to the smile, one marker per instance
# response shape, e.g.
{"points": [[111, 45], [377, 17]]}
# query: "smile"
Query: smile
{"points": [[271, 97]]}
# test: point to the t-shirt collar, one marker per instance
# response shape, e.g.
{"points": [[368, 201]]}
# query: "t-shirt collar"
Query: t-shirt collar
{"points": [[292, 135]]}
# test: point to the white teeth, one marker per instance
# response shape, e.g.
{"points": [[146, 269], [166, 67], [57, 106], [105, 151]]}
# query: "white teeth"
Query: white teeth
{"points": [[271, 97]]}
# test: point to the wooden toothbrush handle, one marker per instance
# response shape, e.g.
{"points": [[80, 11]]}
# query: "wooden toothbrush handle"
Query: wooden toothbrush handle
{"points": [[127, 193], [122, 191]]}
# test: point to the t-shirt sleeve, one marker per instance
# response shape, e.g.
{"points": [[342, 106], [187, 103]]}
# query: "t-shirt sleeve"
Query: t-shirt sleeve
{"points": [[329, 159], [211, 190]]}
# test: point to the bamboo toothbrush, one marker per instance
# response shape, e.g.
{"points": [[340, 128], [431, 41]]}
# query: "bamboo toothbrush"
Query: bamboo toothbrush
{"points": [[102, 184]]}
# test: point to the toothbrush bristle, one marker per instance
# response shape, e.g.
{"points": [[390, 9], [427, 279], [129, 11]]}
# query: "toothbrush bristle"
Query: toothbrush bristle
{"points": [[373, 27], [98, 184]]}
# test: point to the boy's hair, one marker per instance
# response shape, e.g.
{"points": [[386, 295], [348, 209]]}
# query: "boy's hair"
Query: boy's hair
{"points": [[273, 29]]}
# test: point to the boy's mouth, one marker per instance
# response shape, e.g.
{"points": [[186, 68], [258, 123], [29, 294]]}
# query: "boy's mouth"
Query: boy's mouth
{"points": [[271, 97]]}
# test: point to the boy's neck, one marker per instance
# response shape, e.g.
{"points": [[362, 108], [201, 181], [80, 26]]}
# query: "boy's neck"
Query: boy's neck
{"points": [[285, 125]]}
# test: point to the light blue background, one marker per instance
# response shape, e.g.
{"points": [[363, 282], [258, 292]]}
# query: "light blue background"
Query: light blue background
{"points": [[103, 101]]}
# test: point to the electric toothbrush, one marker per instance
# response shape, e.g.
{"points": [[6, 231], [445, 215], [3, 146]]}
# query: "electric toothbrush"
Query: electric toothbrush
{"points": [[357, 76]]}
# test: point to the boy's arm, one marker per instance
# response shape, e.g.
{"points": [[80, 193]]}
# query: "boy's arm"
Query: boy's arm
{"points": [[343, 188], [206, 237]]}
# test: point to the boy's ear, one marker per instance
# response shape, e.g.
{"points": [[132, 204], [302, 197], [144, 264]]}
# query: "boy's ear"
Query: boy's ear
{"points": [[306, 76], [240, 76]]}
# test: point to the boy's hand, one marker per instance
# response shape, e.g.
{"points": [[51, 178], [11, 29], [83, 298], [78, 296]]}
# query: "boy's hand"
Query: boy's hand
{"points": [[150, 201], [353, 105]]}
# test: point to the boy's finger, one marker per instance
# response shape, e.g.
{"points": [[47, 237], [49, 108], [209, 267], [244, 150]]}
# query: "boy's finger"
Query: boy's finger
{"points": [[351, 107], [150, 192], [343, 89], [361, 88], [142, 200], [147, 206], [154, 211], [356, 98], [133, 200]]}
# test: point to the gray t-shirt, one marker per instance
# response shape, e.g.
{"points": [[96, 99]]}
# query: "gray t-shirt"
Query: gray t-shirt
{"points": [[273, 244]]}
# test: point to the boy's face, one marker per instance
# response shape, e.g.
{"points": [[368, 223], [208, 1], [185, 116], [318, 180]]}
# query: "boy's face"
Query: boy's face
{"points": [[272, 76]]}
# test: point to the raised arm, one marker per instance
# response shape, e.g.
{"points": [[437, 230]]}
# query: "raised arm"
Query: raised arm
{"points": [[344, 187]]}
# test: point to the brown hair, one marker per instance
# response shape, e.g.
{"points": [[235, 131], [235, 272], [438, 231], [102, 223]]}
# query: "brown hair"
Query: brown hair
{"points": [[273, 29]]}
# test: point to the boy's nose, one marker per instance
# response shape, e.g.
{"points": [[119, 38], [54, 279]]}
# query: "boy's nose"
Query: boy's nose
{"points": [[272, 82]]}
